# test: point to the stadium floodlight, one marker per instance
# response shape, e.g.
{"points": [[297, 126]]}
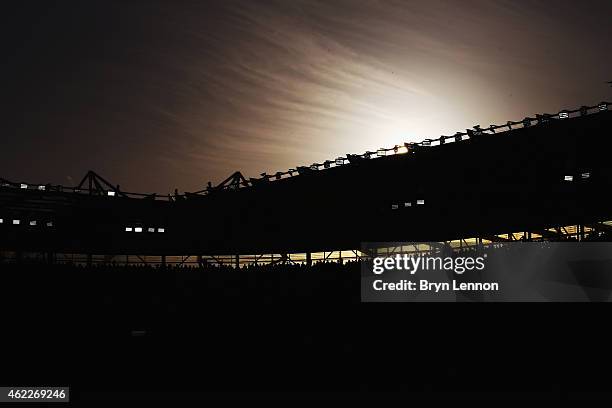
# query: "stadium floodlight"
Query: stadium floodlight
{"points": [[420, 202], [161, 230], [150, 229], [564, 115], [603, 106], [128, 229], [23, 185], [586, 175], [41, 188], [339, 161], [16, 222], [137, 229], [32, 223], [110, 193], [569, 178], [381, 152], [394, 207], [1, 221], [407, 205]]}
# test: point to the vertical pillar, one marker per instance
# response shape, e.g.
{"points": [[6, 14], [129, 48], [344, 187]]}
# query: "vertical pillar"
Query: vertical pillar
{"points": [[308, 259], [237, 261], [163, 260]]}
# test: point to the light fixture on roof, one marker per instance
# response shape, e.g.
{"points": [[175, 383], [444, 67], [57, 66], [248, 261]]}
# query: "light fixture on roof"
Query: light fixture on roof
{"points": [[138, 229], [381, 152], [50, 224], [420, 202], [150, 229], [603, 106], [394, 207], [128, 229], [110, 193], [1, 221], [23, 185], [407, 205], [586, 175], [568, 178], [427, 142], [41, 188], [32, 223], [161, 230], [16, 222], [564, 115], [314, 167], [339, 161]]}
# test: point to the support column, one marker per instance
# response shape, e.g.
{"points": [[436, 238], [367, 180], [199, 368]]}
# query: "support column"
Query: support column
{"points": [[308, 259], [163, 260], [237, 261]]}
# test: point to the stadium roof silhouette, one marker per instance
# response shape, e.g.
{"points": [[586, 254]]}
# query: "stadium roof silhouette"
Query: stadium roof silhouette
{"points": [[531, 175]]}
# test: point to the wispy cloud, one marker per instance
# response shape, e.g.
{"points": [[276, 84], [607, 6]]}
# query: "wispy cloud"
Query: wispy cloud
{"points": [[197, 92]]}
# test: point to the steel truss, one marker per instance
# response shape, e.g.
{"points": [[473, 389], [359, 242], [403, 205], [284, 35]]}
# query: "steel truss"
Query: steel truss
{"points": [[574, 233]]}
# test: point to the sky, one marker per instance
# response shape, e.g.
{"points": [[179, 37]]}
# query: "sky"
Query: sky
{"points": [[162, 95]]}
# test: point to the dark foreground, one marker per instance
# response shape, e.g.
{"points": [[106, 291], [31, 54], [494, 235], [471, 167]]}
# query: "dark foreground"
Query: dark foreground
{"points": [[103, 329]]}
